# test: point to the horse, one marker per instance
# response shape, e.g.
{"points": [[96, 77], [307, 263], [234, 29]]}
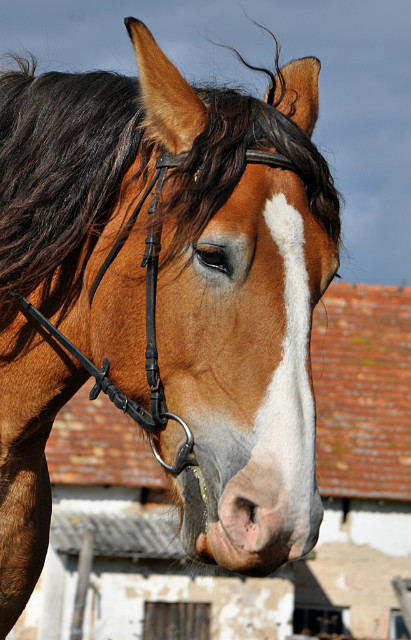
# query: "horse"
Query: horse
{"points": [[98, 171]]}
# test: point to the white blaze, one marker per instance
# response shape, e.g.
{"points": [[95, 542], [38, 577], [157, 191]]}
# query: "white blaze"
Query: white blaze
{"points": [[285, 424]]}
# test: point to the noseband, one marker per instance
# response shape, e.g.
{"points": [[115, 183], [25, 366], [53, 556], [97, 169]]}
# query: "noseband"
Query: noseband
{"points": [[159, 416]]}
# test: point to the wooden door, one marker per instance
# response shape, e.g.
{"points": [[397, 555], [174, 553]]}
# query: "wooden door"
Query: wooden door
{"points": [[177, 621]]}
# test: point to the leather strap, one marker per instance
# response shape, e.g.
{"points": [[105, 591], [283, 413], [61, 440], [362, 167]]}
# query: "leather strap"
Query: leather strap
{"points": [[103, 382], [150, 261], [275, 160], [121, 238]]}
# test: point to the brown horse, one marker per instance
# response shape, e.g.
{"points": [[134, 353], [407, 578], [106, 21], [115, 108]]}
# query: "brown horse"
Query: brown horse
{"points": [[250, 243]]}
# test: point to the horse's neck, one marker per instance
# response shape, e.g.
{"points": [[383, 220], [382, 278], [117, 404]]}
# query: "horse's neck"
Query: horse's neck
{"points": [[41, 377]]}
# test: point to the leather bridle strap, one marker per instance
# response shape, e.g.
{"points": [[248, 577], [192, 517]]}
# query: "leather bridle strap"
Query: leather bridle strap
{"points": [[163, 162], [103, 382], [150, 261], [272, 159], [125, 232]]}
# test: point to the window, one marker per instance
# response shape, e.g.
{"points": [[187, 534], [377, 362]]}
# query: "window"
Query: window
{"points": [[320, 621], [398, 630], [177, 621]]}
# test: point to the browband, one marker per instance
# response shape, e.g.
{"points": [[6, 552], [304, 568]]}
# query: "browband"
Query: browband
{"points": [[253, 156]]}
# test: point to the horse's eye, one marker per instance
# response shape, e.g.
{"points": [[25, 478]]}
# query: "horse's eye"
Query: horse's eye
{"points": [[214, 258]]}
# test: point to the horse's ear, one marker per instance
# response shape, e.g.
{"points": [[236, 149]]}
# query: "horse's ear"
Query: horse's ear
{"points": [[300, 98], [174, 113]]}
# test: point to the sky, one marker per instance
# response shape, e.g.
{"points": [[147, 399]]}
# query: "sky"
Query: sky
{"points": [[364, 129]]}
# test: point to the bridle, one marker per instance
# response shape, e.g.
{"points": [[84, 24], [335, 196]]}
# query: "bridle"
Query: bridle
{"points": [[159, 416]]}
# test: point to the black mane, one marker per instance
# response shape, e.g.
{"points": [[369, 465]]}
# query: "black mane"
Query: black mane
{"points": [[67, 140]]}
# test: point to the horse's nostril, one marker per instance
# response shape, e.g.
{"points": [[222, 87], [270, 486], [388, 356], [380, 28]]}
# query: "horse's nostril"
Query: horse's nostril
{"points": [[249, 507]]}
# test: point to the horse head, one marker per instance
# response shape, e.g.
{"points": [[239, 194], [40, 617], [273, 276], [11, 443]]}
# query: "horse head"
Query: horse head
{"points": [[248, 250]]}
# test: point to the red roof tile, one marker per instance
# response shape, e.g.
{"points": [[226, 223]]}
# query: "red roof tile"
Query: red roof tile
{"points": [[362, 380], [95, 443], [361, 350]]}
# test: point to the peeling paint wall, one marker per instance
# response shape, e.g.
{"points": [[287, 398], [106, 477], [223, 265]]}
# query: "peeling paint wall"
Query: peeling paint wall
{"points": [[240, 608]]}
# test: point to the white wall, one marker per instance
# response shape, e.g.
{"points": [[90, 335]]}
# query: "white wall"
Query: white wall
{"points": [[381, 525]]}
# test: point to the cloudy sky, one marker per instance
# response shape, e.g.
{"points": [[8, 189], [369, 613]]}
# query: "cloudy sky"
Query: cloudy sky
{"points": [[365, 87]]}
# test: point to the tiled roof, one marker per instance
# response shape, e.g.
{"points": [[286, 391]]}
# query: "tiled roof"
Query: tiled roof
{"points": [[362, 379], [95, 443], [361, 349]]}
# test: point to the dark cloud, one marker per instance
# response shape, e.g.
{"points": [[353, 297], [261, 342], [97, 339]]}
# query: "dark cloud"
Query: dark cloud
{"points": [[365, 83]]}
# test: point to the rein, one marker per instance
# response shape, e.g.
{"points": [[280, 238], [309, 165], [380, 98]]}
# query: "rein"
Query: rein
{"points": [[159, 416]]}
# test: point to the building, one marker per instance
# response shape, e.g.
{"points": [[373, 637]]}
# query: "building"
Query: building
{"points": [[362, 377], [105, 480]]}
